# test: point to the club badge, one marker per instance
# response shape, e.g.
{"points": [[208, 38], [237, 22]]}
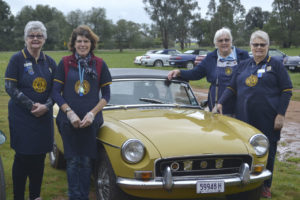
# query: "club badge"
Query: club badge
{"points": [[82, 89], [228, 71], [251, 81], [28, 68], [39, 84]]}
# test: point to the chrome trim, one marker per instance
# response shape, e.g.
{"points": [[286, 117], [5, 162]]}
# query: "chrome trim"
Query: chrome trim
{"points": [[168, 180], [245, 173], [203, 155], [183, 182]]}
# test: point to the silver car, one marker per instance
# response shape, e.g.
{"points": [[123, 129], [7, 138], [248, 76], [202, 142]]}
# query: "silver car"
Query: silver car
{"points": [[159, 58]]}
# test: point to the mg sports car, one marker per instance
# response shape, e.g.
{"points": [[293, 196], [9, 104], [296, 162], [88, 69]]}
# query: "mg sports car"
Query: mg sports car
{"points": [[157, 142]]}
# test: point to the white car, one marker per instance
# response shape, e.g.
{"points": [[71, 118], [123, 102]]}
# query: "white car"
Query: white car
{"points": [[159, 58], [138, 59]]}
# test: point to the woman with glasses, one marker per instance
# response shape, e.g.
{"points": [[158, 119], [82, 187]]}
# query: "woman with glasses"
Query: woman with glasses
{"points": [[263, 89], [28, 81], [218, 67]]}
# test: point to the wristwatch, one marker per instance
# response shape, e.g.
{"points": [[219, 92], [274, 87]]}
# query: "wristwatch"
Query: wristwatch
{"points": [[67, 110]]}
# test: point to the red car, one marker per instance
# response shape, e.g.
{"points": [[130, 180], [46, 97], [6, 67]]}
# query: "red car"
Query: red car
{"points": [[199, 58]]}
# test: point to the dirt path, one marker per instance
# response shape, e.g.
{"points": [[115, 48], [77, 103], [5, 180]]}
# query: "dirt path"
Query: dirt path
{"points": [[289, 144]]}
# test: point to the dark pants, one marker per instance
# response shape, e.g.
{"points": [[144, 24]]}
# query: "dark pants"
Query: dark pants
{"points": [[79, 176], [31, 166], [271, 161]]}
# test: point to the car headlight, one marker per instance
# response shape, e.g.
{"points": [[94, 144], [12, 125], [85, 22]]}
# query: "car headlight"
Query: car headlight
{"points": [[260, 144], [133, 151]]}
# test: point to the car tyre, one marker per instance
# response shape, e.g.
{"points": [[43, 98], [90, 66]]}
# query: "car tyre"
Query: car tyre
{"points": [[2, 182], [190, 65], [105, 180], [57, 159], [254, 194], [158, 63]]}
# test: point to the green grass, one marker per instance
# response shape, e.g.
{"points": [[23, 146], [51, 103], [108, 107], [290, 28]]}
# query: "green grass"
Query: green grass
{"points": [[287, 175]]}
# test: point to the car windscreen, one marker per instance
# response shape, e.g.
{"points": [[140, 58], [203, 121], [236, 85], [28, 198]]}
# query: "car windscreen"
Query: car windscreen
{"points": [[131, 92]]}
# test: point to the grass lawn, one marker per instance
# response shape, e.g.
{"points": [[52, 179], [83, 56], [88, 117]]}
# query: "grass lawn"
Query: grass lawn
{"points": [[286, 177]]}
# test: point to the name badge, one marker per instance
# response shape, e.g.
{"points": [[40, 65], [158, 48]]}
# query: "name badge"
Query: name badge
{"points": [[260, 72]]}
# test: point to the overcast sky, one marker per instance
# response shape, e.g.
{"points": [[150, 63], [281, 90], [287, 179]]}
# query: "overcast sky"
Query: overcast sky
{"points": [[130, 10]]}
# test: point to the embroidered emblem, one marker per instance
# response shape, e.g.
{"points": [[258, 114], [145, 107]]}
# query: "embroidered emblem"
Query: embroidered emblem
{"points": [[228, 71], [251, 80], [269, 68], [83, 88], [28, 67], [39, 84]]}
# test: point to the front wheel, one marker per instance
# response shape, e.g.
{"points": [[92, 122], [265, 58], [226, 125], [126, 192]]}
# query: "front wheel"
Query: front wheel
{"points": [[2, 182], [105, 180], [248, 195], [190, 65], [158, 63]]}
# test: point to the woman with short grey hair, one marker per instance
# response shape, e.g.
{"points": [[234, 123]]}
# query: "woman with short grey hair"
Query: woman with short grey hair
{"points": [[263, 89], [28, 82], [218, 68]]}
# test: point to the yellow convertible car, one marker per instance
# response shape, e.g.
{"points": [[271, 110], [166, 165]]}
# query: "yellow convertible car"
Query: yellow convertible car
{"points": [[157, 142]]}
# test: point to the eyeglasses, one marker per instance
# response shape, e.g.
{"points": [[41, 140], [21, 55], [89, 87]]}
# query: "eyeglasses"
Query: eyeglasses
{"points": [[35, 36], [259, 44], [224, 40]]}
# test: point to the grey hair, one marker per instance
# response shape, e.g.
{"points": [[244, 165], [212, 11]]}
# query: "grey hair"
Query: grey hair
{"points": [[35, 26], [220, 32], [260, 34]]}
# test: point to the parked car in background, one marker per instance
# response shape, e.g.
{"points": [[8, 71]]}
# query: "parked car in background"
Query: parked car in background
{"points": [[157, 142], [186, 59], [274, 53], [159, 58], [200, 57], [292, 63], [137, 59]]}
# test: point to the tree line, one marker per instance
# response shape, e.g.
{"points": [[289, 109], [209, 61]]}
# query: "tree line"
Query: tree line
{"points": [[173, 21]]}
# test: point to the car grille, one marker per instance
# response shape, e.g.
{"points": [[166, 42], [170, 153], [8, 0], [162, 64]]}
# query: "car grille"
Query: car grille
{"points": [[204, 165]]}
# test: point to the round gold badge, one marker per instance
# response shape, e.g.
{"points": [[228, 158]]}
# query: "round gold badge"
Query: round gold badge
{"points": [[228, 71], [251, 80], [39, 84], [85, 85]]}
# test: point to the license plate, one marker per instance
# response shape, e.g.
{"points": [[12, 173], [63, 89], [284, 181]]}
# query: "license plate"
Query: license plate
{"points": [[172, 63], [210, 187], [291, 67]]}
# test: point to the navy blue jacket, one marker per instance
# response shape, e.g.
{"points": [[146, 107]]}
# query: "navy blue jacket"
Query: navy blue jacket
{"points": [[260, 97], [208, 68]]}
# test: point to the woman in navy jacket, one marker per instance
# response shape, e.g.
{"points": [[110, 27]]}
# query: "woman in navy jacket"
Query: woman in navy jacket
{"points": [[263, 89], [218, 67], [28, 81]]}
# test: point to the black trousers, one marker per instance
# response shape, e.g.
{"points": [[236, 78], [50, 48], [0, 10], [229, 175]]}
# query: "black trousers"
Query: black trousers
{"points": [[271, 161], [28, 166]]}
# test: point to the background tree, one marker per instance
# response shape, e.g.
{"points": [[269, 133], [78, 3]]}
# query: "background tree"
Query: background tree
{"points": [[283, 26], [163, 13], [183, 19], [6, 27]]}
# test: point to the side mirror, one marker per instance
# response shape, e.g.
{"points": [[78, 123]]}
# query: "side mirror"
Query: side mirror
{"points": [[2, 137]]}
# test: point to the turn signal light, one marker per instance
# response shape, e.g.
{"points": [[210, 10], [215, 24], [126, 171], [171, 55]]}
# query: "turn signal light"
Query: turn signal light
{"points": [[143, 175]]}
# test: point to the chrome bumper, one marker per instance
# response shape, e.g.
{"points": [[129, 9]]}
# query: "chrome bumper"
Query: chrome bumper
{"points": [[168, 182]]}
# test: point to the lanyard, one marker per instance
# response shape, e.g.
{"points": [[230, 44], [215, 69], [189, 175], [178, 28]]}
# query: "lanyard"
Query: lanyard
{"points": [[81, 74]]}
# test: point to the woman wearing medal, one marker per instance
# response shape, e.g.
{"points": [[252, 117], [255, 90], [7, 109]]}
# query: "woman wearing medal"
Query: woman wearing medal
{"points": [[28, 81], [77, 82], [218, 67], [263, 89]]}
